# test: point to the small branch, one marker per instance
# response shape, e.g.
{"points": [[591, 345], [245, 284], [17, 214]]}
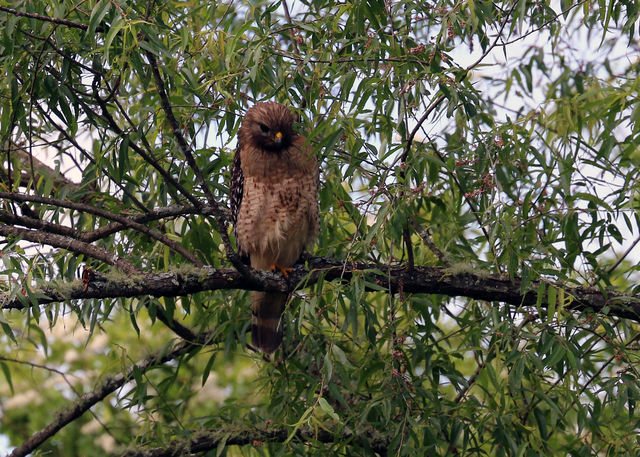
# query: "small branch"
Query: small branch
{"points": [[182, 143], [166, 212], [107, 215], [495, 42], [44, 226], [555, 18], [623, 256], [113, 125], [421, 121], [69, 244], [439, 100], [63, 131], [206, 440], [175, 129], [40, 17], [426, 238]]}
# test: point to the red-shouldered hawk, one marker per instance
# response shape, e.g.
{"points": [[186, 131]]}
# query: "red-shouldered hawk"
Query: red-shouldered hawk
{"points": [[274, 204]]}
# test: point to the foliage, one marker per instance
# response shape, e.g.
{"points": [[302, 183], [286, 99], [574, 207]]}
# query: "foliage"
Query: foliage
{"points": [[495, 138]]}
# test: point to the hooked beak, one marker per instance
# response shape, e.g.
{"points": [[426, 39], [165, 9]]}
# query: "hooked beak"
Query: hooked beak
{"points": [[278, 138]]}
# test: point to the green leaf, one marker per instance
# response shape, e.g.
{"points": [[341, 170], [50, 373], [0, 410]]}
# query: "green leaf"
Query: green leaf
{"points": [[97, 14], [327, 408], [7, 375], [114, 29]]}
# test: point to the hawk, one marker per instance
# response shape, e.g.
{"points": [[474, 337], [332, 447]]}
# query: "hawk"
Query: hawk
{"points": [[274, 205]]}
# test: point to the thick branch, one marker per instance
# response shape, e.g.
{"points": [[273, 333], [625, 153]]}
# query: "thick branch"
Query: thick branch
{"points": [[420, 279], [205, 440]]}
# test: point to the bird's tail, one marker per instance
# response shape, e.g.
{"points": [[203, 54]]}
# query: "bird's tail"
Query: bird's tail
{"points": [[266, 325]]}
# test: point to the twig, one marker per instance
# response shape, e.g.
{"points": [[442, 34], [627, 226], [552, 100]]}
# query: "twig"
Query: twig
{"points": [[495, 42], [40, 17], [142, 153], [172, 211], [426, 238], [562, 13], [623, 256], [175, 128], [88, 156]]}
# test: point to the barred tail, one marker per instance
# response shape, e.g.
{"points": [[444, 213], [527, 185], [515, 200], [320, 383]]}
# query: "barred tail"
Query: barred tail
{"points": [[266, 326]]}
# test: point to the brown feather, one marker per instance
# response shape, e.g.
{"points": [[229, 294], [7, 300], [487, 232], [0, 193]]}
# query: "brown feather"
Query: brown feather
{"points": [[266, 324]]}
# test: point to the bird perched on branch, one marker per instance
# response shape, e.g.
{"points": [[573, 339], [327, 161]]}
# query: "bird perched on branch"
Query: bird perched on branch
{"points": [[274, 205]]}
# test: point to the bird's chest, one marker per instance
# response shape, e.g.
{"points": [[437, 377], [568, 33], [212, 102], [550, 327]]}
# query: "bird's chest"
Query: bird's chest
{"points": [[272, 200], [274, 210]]}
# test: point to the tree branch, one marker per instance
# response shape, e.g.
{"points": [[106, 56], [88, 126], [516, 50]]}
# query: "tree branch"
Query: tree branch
{"points": [[107, 215], [205, 440], [113, 125], [420, 279], [36, 167], [40, 17], [59, 241], [109, 385]]}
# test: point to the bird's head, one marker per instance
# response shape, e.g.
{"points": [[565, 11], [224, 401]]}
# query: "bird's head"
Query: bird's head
{"points": [[269, 125]]}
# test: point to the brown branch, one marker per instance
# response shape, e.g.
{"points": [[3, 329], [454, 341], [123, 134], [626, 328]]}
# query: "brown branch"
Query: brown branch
{"points": [[109, 385], [175, 129], [555, 18], [184, 147], [79, 247], [39, 224], [206, 440], [421, 121], [420, 279], [439, 100], [107, 215], [36, 166], [167, 212], [426, 238], [436, 103], [495, 42], [40, 17]]}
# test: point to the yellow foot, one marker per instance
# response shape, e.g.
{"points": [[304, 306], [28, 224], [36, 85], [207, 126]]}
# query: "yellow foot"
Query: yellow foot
{"points": [[284, 270]]}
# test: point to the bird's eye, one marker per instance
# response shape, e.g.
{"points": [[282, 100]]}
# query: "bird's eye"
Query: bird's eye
{"points": [[264, 128]]}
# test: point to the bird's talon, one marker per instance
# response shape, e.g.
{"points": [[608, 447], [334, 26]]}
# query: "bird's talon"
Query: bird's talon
{"points": [[284, 270]]}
